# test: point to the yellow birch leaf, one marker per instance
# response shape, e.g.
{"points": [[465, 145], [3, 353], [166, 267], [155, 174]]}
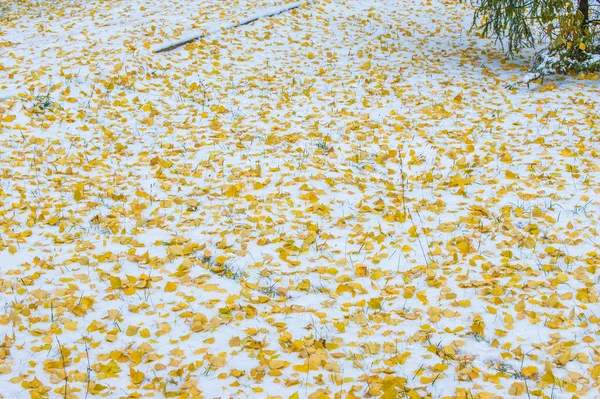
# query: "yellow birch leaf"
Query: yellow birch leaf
{"points": [[510, 175], [529, 371], [5, 370], [564, 358], [422, 296], [595, 372], [220, 260], [304, 285], [520, 306], [277, 364], [341, 327], [136, 357], [131, 331], [170, 286], [478, 325], [115, 282], [413, 231], [70, 326], [302, 368], [413, 394], [529, 243], [516, 389], [136, 376], [361, 270], [548, 378]]}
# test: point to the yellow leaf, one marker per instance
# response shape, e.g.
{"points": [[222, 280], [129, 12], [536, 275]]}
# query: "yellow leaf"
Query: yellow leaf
{"points": [[12, 249], [529, 243], [77, 195], [304, 285], [115, 282], [422, 296], [237, 373], [96, 388], [413, 394], [170, 287], [520, 306], [136, 376], [366, 66], [413, 231], [136, 357], [564, 358], [302, 368], [595, 372], [517, 388], [566, 152], [294, 396], [478, 325], [361, 270], [440, 367], [510, 175], [233, 191], [529, 371], [65, 352], [375, 303], [277, 364], [131, 331], [9, 118], [571, 387], [582, 46], [548, 378], [341, 327], [70, 326], [220, 260]]}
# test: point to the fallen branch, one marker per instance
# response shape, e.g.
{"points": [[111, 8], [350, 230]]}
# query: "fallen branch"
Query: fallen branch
{"points": [[264, 13]]}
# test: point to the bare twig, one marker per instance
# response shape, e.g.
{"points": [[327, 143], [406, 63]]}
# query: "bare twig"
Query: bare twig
{"points": [[62, 357]]}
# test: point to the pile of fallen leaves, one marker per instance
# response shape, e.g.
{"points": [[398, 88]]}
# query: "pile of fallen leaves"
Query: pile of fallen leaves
{"points": [[342, 201]]}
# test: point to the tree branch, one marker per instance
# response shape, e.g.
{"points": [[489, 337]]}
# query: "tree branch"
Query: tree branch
{"points": [[266, 13]]}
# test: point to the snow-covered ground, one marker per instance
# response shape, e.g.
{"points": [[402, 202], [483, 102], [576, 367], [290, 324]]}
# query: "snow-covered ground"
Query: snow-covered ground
{"points": [[341, 201]]}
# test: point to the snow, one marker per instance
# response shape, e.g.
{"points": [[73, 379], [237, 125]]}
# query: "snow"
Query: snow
{"points": [[6, 94], [340, 200]]}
